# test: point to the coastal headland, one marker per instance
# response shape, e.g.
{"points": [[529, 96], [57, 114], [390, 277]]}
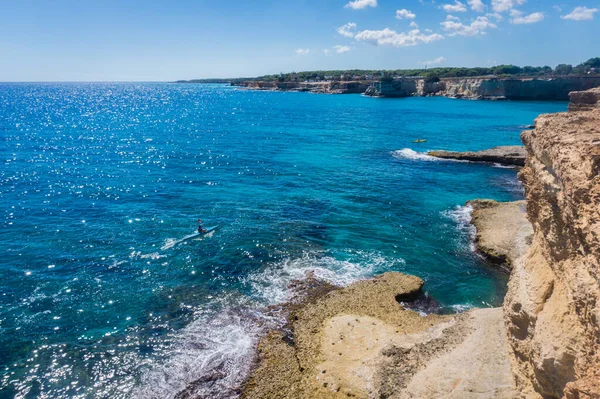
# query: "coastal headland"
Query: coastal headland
{"points": [[481, 88], [366, 340]]}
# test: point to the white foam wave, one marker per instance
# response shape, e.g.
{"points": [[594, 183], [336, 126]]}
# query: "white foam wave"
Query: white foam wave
{"points": [[272, 283], [214, 354], [171, 242], [407, 153], [462, 216], [212, 357], [463, 307], [500, 166]]}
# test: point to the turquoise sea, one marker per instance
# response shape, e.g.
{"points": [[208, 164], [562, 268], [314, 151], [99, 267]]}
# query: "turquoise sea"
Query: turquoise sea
{"points": [[99, 182]]}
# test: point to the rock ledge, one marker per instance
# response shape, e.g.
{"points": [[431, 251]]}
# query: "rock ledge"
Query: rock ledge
{"points": [[505, 155]]}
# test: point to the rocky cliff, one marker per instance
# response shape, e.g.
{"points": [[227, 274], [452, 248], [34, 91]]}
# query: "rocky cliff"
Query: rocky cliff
{"points": [[556, 89], [330, 87], [552, 309], [393, 88], [518, 89]]}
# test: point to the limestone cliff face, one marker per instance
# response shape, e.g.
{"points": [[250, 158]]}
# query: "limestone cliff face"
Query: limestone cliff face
{"points": [[395, 88], [517, 89], [552, 309], [557, 89]]}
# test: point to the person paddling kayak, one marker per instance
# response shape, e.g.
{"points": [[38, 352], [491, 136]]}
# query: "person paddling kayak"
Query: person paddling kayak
{"points": [[200, 228]]}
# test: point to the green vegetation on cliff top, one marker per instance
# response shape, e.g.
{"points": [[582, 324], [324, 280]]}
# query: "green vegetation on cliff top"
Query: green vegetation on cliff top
{"points": [[432, 74]]}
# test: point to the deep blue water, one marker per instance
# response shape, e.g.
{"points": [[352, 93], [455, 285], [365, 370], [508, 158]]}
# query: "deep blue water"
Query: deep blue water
{"points": [[99, 181]]}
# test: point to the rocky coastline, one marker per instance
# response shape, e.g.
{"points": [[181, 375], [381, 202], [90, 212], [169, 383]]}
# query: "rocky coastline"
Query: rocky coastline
{"points": [[484, 88], [364, 340], [504, 155]]}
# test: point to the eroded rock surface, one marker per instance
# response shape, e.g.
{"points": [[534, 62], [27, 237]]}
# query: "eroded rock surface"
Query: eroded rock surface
{"points": [[361, 342], [552, 309], [503, 232], [505, 155]]}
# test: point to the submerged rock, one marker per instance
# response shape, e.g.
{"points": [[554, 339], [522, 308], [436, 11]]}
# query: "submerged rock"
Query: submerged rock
{"points": [[506, 155]]}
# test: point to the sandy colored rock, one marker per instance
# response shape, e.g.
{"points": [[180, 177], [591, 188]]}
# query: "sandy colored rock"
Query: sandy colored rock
{"points": [[505, 155], [503, 232], [552, 309], [584, 100], [361, 342], [479, 368]]}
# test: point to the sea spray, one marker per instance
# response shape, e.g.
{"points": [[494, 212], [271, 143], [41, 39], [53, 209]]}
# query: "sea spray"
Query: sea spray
{"points": [[213, 355]]}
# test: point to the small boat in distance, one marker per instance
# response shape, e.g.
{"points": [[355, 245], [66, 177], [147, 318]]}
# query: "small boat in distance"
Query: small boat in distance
{"points": [[419, 141]]}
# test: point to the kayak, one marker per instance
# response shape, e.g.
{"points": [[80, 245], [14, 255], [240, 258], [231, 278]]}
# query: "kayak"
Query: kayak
{"points": [[197, 234], [419, 141], [171, 243], [208, 230]]}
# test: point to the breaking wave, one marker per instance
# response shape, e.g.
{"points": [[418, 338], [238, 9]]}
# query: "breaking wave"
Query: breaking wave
{"points": [[212, 356], [407, 153]]}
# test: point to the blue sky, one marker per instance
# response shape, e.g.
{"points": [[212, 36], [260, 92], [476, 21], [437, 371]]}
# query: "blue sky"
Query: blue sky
{"points": [[127, 40]]}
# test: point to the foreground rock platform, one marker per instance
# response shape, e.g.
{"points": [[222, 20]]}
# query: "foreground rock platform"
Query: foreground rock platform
{"points": [[505, 155], [361, 342]]}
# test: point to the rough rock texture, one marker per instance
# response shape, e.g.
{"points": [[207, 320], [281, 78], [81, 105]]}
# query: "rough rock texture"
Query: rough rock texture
{"points": [[552, 309], [361, 342], [503, 232], [477, 368], [584, 100], [505, 155]]}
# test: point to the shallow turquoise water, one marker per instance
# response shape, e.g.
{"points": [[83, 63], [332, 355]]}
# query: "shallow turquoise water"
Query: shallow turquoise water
{"points": [[100, 181]]}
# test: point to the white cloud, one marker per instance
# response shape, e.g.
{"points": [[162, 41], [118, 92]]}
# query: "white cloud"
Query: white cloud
{"points": [[347, 30], [302, 51], [341, 49], [456, 7], [495, 15], [360, 4], [581, 14], [476, 5], [518, 18], [452, 18], [413, 24], [389, 37], [477, 27], [505, 5], [405, 14], [437, 61]]}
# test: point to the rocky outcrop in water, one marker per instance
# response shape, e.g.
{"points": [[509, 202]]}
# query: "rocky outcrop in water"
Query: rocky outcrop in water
{"points": [[506, 155], [552, 309], [503, 232]]}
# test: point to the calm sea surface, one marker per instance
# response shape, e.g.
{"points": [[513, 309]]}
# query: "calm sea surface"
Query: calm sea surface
{"points": [[99, 298]]}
